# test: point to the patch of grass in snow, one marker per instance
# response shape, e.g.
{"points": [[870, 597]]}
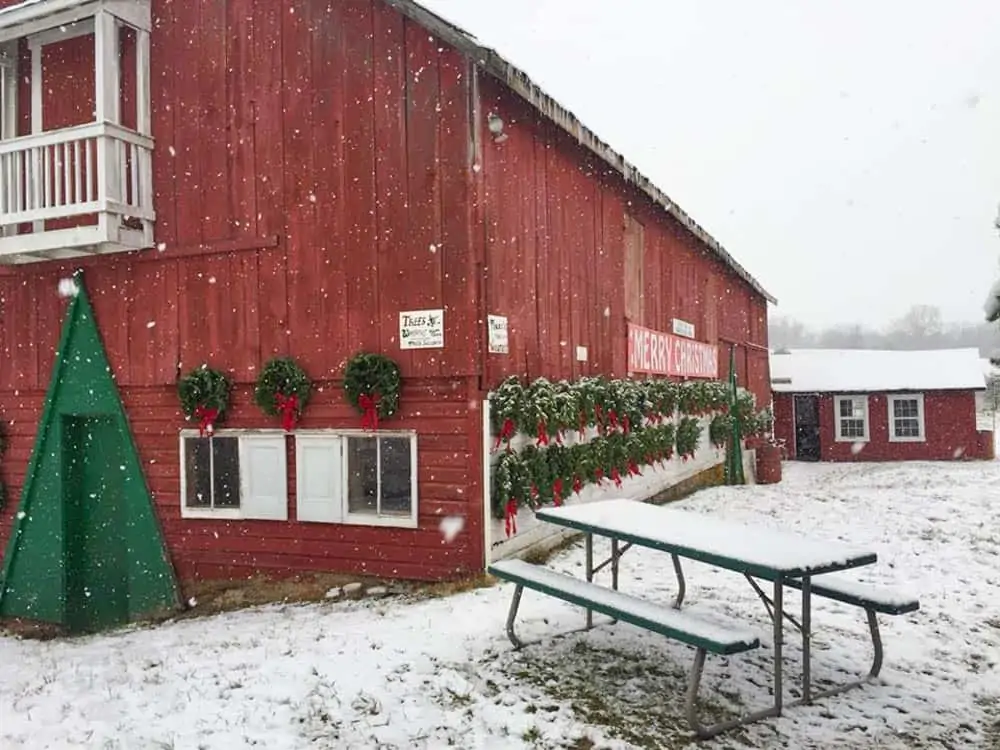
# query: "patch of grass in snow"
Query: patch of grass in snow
{"points": [[990, 704], [634, 696]]}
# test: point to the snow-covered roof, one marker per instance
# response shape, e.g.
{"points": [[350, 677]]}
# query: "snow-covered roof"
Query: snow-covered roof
{"points": [[868, 370]]}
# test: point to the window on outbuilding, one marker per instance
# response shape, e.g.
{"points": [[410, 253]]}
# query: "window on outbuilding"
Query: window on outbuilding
{"points": [[234, 475], [906, 418], [851, 413], [368, 479]]}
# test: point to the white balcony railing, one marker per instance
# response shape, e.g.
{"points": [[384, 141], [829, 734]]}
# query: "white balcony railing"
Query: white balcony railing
{"points": [[88, 169]]}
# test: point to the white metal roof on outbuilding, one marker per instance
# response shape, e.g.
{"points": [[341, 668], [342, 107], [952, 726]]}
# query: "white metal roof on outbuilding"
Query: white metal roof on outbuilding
{"points": [[869, 370]]}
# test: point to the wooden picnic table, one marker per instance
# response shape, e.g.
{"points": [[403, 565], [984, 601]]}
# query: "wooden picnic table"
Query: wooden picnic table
{"points": [[757, 552]]}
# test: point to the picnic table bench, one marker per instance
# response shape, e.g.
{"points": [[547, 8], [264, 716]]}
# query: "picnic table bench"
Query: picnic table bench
{"points": [[780, 557]]}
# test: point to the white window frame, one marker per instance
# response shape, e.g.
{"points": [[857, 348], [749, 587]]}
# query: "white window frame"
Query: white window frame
{"points": [[246, 439], [891, 402], [837, 424], [339, 512]]}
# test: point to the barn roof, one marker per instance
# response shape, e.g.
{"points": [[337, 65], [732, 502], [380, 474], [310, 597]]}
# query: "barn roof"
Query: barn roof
{"points": [[519, 82], [871, 370]]}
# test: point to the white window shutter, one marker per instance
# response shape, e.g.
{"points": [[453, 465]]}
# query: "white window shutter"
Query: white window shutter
{"points": [[319, 478], [263, 468]]}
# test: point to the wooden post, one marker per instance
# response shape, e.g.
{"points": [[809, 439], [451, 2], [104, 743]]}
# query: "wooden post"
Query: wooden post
{"points": [[107, 107]]}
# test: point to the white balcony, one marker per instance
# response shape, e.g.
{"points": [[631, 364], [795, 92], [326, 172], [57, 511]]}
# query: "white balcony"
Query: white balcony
{"points": [[86, 189]]}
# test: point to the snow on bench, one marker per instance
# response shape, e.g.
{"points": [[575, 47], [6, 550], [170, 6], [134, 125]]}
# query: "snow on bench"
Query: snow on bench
{"points": [[883, 599], [681, 626]]}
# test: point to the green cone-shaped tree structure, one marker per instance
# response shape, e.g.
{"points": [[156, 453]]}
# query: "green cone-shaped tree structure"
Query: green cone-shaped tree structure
{"points": [[86, 550]]}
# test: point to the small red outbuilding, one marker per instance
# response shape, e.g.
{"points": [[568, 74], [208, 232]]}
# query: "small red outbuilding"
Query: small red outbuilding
{"points": [[875, 405]]}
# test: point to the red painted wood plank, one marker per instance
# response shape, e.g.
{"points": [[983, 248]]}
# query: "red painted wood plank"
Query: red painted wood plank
{"points": [[241, 85], [458, 293], [363, 325], [163, 80], [391, 209], [296, 113], [187, 107], [212, 165], [419, 264], [111, 292]]}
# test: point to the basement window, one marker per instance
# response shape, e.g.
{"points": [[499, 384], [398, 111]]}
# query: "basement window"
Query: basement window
{"points": [[234, 475], [364, 479], [851, 414], [906, 418]]}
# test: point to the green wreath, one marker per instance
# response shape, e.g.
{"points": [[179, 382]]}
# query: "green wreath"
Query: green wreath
{"points": [[283, 389], [371, 384], [204, 395]]}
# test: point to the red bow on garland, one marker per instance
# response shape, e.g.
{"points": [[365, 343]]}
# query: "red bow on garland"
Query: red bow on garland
{"points": [[510, 518], [206, 419], [506, 433], [369, 408], [289, 407]]}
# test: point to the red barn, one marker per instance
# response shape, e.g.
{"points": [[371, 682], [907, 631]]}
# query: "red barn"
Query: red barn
{"points": [[870, 405], [244, 180]]}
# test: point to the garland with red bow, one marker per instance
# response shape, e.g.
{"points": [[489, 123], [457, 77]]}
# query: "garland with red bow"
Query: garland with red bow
{"points": [[637, 423], [204, 395], [371, 384], [283, 390]]}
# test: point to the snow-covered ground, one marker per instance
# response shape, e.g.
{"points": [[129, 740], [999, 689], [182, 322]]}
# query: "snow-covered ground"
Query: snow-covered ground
{"points": [[439, 673]]}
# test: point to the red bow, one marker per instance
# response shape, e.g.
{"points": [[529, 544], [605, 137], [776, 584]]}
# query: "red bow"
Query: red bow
{"points": [[616, 477], [557, 491], [510, 517], [506, 433], [369, 408], [543, 434], [288, 406], [206, 419]]}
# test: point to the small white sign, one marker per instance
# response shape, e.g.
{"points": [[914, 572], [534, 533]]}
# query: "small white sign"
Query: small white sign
{"points": [[499, 338], [581, 354], [421, 329], [683, 328]]}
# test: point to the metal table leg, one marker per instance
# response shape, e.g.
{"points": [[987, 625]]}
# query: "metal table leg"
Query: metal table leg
{"points": [[806, 639], [589, 548], [779, 621]]}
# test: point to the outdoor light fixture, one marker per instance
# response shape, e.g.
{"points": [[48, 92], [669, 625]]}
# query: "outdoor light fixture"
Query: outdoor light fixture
{"points": [[496, 125]]}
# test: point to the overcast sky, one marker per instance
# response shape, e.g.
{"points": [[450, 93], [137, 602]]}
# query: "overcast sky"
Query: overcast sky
{"points": [[846, 152]]}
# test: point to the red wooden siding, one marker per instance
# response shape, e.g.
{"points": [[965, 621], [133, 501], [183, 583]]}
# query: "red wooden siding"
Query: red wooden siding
{"points": [[949, 426], [438, 409], [568, 261], [312, 179]]}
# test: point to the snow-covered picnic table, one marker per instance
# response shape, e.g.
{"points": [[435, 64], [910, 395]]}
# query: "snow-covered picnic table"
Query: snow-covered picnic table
{"points": [[757, 552]]}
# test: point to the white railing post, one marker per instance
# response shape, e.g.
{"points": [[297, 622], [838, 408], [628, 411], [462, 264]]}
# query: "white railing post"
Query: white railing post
{"points": [[144, 124], [107, 108]]}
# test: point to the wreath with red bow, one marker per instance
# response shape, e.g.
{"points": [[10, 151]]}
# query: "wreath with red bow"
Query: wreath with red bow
{"points": [[371, 384], [283, 389], [204, 395]]}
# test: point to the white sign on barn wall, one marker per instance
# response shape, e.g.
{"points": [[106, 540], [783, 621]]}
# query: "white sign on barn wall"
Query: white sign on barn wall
{"points": [[683, 328], [499, 337], [421, 329]]}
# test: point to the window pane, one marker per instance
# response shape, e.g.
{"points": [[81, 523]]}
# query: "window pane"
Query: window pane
{"points": [[852, 428], [362, 475], [396, 477], [907, 427], [904, 407], [226, 453], [845, 408], [197, 473]]}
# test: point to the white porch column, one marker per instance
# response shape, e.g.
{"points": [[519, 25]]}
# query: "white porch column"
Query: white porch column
{"points": [[107, 107]]}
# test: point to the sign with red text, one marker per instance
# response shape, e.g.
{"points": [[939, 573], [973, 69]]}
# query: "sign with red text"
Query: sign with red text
{"points": [[659, 353]]}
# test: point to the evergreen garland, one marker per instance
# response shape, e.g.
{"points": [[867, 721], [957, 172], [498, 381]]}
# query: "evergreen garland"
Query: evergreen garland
{"points": [[283, 388], [688, 435], [635, 423], [371, 385], [204, 395]]}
